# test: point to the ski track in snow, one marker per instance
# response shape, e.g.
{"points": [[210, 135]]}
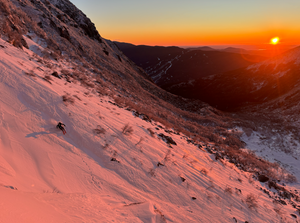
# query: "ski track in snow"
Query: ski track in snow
{"points": [[72, 177]]}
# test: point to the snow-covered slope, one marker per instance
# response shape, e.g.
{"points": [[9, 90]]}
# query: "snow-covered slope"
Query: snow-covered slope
{"points": [[99, 173]]}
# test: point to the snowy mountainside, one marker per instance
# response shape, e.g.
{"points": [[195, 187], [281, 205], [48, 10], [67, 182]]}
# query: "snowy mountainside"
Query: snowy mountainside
{"points": [[99, 172], [130, 153]]}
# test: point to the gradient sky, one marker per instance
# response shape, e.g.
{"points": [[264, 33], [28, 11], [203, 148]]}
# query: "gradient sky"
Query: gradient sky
{"points": [[195, 22]]}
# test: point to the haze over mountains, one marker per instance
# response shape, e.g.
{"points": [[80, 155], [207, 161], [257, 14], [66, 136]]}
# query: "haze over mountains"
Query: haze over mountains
{"points": [[133, 152]]}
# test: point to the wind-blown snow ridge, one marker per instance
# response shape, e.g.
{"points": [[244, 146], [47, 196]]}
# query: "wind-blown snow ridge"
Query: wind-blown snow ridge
{"points": [[105, 175]]}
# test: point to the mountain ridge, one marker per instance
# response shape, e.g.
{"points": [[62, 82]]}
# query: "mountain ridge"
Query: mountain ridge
{"points": [[173, 65]]}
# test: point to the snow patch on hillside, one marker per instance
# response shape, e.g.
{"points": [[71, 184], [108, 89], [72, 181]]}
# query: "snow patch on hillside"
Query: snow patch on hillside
{"points": [[268, 149]]}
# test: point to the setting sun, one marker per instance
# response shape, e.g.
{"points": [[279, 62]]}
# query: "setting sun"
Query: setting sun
{"points": [[274, 40]]}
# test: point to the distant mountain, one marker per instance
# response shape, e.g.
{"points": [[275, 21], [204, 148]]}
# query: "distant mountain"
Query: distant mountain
{"points": [[234, 50], [203, 48], [173, 65], [257, 83]]}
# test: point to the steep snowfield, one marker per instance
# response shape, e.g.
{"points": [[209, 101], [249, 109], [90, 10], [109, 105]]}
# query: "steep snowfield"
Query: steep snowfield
{"points": [[85, 176]]}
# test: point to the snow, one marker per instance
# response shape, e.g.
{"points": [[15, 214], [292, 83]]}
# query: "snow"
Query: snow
{"points": [[170, 62], [269, 150], [33, 46], [258, 86], [83, 176], [281, 73]]}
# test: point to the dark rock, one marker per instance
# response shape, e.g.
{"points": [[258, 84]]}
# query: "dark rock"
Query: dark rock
{"points": [[61, 17], [282, 202], [160, 164], [238, 191], [183, 179], [40, 24], [274, 185], [286, 194], [64, 33], [190, 141], [209, 150], [173, 132], [218, 156], [263, 178], [193, 198], [24, 43], [115, 160], [168, 131], [119, 58], [146, 118], [89, 29], [55, 74], [142, 116], [106, 52], [294, 216], [115, 104], [167, 139], [11, 187]]}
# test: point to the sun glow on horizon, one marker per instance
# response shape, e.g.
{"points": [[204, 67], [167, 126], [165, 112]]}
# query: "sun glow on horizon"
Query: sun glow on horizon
{"points": [[274, 40]]}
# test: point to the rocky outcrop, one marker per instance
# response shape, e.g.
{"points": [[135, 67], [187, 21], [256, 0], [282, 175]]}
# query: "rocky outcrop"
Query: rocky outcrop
{"points": [[167, 139], [78, 16]]}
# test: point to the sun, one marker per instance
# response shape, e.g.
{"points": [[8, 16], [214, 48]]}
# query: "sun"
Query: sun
{"points": [[274, 40]]}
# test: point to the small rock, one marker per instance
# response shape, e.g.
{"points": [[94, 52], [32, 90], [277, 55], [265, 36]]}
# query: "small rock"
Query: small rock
{"points": [[160, 164], [114, 159], [11, 187], [263, 178], [55, 74], [282, 202], [294, 216], [167, 139]]}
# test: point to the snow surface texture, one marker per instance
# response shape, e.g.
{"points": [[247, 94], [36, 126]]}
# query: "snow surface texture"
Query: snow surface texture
{"points": [[95, 173]]}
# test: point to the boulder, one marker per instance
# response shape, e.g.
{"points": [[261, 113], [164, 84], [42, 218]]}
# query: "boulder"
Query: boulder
{"points": [[167, 139], [263, 178]]}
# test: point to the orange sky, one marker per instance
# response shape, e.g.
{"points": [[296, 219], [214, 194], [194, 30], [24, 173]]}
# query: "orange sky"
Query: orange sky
{"points": [[195, 22]]}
